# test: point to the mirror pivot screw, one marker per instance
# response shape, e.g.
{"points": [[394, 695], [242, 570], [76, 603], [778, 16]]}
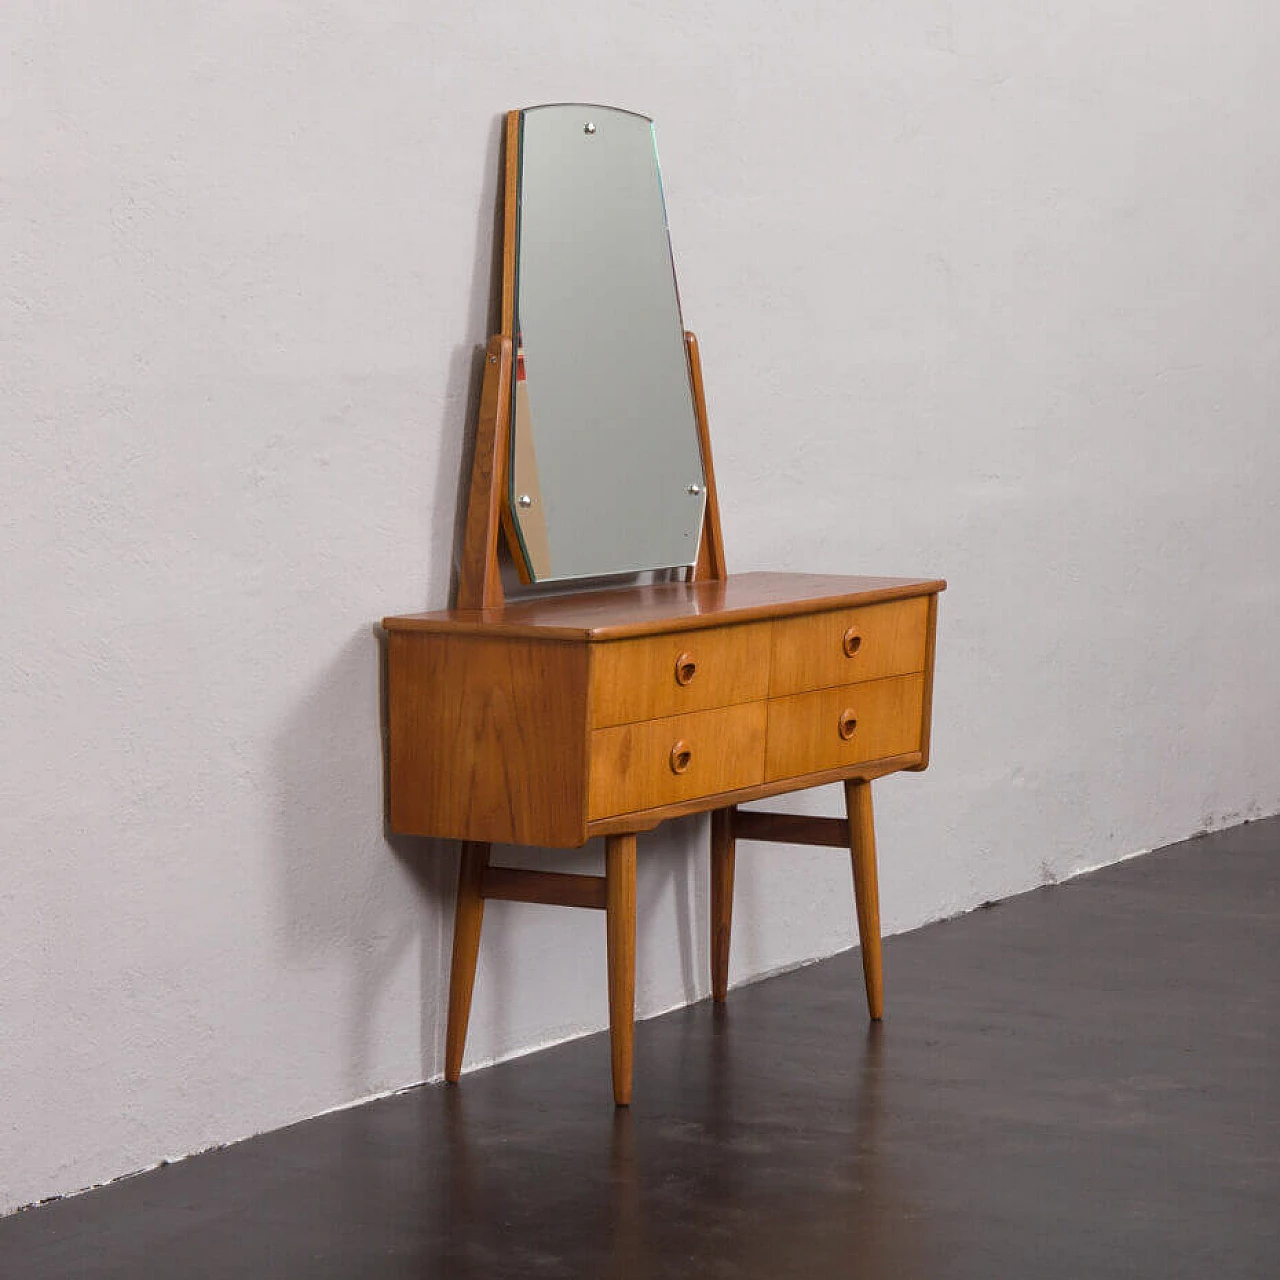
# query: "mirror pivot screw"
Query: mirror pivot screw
{"points": [[524, 500], [588, 127], [695, 489]]}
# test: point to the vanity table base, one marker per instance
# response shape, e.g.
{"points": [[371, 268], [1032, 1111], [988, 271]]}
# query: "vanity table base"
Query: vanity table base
{"points": [[552, 721], [615, 894], [856, 833]]}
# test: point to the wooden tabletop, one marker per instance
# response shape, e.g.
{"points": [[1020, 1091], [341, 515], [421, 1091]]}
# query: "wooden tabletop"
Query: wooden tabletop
{"points": [[619, 612]]}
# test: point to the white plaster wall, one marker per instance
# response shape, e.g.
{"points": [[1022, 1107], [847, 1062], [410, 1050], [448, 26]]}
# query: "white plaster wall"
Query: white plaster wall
{"points": [[984, 291]]}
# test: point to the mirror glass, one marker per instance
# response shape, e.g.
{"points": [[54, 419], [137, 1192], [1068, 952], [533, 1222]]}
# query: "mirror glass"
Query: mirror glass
{"points": [[606, 469]]}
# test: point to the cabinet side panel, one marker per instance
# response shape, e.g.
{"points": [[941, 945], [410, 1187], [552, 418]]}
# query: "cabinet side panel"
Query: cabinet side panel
{"points": [[930, 652], [487, 738]]}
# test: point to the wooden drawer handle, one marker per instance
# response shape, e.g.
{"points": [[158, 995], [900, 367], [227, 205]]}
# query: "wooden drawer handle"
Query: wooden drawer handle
{"points": [[852, 642], [848, 723], [681, 757], [686, 669]]}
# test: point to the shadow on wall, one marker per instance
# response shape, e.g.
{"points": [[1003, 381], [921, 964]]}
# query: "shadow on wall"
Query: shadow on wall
{"points": [[344, 901], [672, 873], [343, 897]]}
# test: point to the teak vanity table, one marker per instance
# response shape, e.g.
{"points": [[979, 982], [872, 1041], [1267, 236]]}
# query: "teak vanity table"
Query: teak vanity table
{"points": [[552, 718]]}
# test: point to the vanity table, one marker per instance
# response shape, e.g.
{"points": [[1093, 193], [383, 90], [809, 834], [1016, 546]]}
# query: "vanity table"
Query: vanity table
{"points": [[557, 716]]}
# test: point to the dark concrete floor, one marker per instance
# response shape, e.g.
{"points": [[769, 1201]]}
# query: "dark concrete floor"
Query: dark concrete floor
{"points": [[1081, 1082]]}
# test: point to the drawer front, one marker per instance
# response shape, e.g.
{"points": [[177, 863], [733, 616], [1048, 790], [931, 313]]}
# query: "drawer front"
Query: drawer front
{"points": [[685, 671], [821, 650], [657, 762], [810, 732]]}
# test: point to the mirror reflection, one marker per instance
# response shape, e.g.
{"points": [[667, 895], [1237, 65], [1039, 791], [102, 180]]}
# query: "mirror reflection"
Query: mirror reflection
{"points": [[606, 471]]}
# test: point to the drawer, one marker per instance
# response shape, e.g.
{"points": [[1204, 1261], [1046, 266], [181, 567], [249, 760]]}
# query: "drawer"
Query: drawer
{"points": [[664, 675], [810, 732], [657, 762], [821, 650]]}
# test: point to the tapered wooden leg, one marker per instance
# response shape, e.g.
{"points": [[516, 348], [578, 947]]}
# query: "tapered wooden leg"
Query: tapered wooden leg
{"points": [[722, 860], [620, 913], [468, 916], [866, 889]]}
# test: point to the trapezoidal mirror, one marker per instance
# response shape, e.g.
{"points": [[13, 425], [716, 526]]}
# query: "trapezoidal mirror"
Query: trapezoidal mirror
{"points": [[605, 472]]}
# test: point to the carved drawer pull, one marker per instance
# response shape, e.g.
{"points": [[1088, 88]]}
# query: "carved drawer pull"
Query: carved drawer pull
{"points": [[681, 757], [848, 723], [686, 668], [852, 642]]}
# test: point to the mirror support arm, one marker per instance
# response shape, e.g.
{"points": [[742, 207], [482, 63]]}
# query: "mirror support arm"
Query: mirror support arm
{"points": [[710, 564], [479, 579]]}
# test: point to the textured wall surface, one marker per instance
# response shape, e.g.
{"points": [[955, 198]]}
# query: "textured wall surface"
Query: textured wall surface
{"points": [[993, 296]]}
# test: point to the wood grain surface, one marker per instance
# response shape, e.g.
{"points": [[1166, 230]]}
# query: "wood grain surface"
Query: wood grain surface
{"points": [[930, 661], [479, 580], [488, 738], [638, 680], [631, 766], [723, 833], [620, 936], [467, 918], [620, 612], [710, 563], [810, 652], [547, 888], [650, 818], [866, 885], [804, 730], [791, 828]]}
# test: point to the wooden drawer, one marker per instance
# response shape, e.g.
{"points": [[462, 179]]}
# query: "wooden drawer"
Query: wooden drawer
{"points": [[685, 671], [821, 650], [810, 732], [641, 766]]}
